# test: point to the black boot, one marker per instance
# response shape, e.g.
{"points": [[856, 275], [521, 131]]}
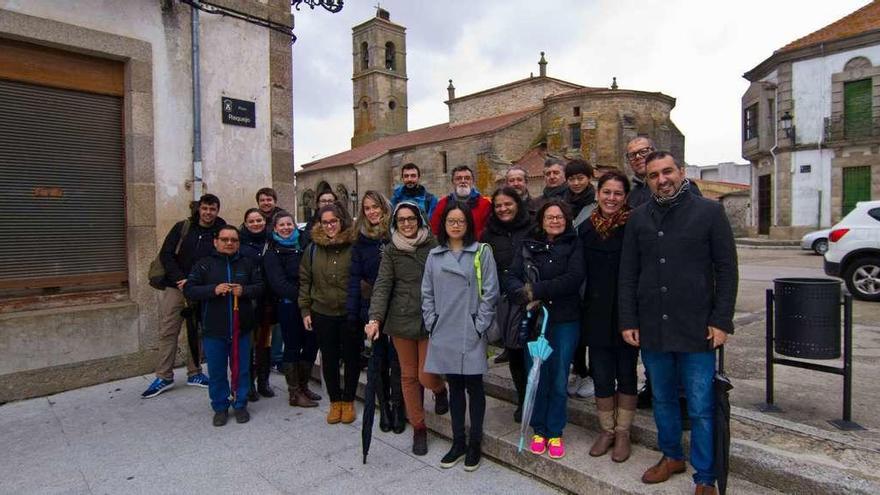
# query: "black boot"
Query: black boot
{"points": [[458, 450], [645, 398], [441, 402], [473, 456], [263, 356], [398, 418], [385, 416], [252, 391], [420, 440]]}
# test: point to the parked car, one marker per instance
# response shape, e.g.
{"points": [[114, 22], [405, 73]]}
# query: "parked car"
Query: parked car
{"points": [[854, 251], [816, 241]]}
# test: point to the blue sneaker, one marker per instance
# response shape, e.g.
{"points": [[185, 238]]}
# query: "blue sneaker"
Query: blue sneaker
{"points": [[198, 380], [157, 387]]}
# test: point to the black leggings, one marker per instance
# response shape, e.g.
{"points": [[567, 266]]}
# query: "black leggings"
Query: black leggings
{"points": [[337, 340], [299, 343], [476, 402], [579, 363], [517, 364], [614, 364]]}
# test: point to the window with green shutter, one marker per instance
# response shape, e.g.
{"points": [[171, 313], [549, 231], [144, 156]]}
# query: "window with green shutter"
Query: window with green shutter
{"points": [[857, 109], [856, 187]]}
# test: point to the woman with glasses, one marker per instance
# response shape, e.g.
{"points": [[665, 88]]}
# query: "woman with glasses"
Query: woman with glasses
{"points": [[324, 274], [373, 235], [459, 292], [221, 282], [553, 250], [395, 311], [325, 197], [281, 265]]}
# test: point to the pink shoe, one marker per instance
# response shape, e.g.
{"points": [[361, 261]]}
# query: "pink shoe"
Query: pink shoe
{"points": [[538, 445], [556, 448]]}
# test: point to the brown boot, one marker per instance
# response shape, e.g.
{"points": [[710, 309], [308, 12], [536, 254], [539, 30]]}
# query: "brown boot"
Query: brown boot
{"points": [[334, 415], [705, 490], [305, 372], [297, 398], [348, 414], [626, 411], [663, 470], [605, 408]]}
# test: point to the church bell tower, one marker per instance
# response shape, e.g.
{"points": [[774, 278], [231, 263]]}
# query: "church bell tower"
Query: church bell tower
{"points": [[378, 79]]}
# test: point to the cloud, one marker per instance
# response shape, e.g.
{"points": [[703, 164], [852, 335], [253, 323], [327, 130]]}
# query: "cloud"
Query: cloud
{"points": [[694, 51]]}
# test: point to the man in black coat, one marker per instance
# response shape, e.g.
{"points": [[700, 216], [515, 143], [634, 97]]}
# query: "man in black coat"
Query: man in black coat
{"points": [[678, 282], [187, 242], [636, 151], [225, 283]]}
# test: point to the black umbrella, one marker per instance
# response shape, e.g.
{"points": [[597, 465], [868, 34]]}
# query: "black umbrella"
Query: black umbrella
{"points": [[722, 424], [192, 331], [374, 380]]}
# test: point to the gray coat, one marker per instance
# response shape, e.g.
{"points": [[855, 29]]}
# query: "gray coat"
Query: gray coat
{"points": [[455, 316]]}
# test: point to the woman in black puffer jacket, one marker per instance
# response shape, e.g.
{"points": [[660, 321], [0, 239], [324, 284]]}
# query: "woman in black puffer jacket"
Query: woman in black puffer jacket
{"points": [[508, 224], [254, 243]]}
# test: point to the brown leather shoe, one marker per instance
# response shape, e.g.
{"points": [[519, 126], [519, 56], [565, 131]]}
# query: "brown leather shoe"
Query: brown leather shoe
{"points": [[705, 490], [663, 470], [334, 415], [348, 414], [299, 399]]}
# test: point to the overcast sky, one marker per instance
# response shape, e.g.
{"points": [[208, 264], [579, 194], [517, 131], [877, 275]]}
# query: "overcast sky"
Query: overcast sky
{"points": [[695, 51]]}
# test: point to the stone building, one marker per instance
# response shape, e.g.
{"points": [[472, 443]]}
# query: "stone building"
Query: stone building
{"points": [[811, 127], [488, 130], [98, 103]]}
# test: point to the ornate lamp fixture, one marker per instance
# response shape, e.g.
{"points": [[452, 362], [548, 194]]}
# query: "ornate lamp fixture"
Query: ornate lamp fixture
{"points": [[332, 6], [787, 126]]}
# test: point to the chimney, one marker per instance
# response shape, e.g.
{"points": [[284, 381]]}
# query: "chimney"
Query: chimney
{"points": [[451, 90], [542, 66]]}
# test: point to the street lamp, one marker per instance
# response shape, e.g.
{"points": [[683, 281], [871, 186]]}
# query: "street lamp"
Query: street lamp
{"points": [[787, 126], [332, 6]]}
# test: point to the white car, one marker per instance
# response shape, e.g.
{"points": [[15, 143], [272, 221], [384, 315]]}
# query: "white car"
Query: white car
{"points": [[816, 241], [854, 251]]}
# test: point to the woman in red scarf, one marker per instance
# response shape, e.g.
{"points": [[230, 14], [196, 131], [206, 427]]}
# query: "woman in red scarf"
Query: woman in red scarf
{"points": [[612, 361]]}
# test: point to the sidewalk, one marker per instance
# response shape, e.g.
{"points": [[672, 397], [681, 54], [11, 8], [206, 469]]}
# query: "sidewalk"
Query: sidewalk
{"points": [[105, 439]]}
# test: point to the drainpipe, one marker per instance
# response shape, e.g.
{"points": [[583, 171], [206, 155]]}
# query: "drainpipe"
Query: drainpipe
{"points": [[773, 153], [197, 109]]}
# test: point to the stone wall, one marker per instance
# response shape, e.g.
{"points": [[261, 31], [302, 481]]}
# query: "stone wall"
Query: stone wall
{"points": [[505, 99]]}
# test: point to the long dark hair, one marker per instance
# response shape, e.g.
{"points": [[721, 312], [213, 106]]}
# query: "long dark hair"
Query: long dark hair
{"points": [[470, 235], [339, 212], [521, 207], [539, 218]]}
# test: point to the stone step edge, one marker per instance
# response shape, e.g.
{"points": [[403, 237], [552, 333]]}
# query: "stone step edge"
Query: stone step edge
{"points": [[759, 464]]}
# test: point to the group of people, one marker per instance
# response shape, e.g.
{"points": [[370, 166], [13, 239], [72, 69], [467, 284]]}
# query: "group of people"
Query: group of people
{"points": [[628, 266]]}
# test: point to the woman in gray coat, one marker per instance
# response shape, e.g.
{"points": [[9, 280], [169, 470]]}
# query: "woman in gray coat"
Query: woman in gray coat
{"points": [[459, 292]]}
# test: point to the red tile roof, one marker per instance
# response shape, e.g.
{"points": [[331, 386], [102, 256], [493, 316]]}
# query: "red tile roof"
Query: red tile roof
{"points": [[433, 134], [861, 21], [533, 162]]}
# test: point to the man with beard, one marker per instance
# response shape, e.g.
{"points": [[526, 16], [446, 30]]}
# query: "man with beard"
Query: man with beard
{"points": [[412, 191], [636, 151], [677, 293], [463, 190]]}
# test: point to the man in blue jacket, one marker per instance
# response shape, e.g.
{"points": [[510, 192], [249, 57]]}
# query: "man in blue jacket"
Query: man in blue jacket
{"points": [[678, 282], [224, 282], [412, 191]]}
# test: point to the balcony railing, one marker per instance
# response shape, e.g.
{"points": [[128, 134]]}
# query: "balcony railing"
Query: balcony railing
{"points": [[837, 129]]}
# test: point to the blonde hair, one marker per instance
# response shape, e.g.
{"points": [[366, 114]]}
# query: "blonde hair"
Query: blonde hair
{"points": [[382, 229]]}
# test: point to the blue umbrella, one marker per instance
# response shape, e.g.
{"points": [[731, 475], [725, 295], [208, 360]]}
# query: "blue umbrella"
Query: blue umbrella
{"points": [[539, 350]]}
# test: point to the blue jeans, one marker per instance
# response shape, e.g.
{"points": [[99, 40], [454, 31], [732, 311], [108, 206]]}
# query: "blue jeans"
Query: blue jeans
{"points": [[277, 345], [550, 415], [217, 353], [695, 371]]}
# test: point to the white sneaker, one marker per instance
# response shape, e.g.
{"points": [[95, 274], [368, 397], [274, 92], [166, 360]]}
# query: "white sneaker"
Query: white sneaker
{"points": [[586, 390], [574, 384]]}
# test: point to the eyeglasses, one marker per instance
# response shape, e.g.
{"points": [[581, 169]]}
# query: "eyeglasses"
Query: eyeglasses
{"points": [[554, 218], [455, 222], [228, 240], [325, 202], [330, 223], [407, 220], [640, 153]]}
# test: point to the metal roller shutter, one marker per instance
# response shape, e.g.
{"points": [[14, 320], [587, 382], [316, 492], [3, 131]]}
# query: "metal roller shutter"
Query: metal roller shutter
{"points": [[62, 197]]}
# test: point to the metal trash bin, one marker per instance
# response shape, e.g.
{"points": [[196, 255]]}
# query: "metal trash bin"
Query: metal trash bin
{"points": [[807, 317]]}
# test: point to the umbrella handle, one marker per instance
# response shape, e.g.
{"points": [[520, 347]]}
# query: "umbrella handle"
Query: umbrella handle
{"points": [[235, 303], [546, 315], [721, 359]]}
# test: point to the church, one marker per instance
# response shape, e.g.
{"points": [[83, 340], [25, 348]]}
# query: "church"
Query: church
{"points": [[519, 123]]}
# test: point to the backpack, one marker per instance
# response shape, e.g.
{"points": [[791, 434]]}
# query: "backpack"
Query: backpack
{"points": [[156, 273]]}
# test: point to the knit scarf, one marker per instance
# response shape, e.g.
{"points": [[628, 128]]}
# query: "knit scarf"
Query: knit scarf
{"points": [[605, 226], [675, 198], [555, 192], [378, 231], [289, 242], [407, 244]]}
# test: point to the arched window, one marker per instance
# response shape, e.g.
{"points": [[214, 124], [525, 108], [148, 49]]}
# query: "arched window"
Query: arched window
{"points": [[308, 203], [390, 56], [857, 63], [365, 56]]}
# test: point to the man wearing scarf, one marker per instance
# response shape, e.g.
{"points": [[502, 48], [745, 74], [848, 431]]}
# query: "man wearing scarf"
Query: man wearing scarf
{"points": [[464, 191], [555, 185], [678, 283]]}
